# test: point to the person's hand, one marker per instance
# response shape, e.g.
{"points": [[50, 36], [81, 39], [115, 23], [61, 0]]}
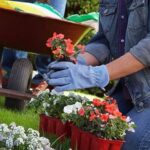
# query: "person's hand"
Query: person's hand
{"points": [[75, 76]]}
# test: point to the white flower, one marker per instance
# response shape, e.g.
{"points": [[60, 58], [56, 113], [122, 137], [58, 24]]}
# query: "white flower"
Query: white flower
{"points": [[13, 136], [18, 142], [32, 100], [131, 129], [77, 106], [1, 137], [84, 99], [4, 128], [72, 108], [12, 125], [68, 109], [55, 101], [44, 141], [33, 133], [46, 105], [128, 119], [53, 92], [46, 113], [9, 143]]}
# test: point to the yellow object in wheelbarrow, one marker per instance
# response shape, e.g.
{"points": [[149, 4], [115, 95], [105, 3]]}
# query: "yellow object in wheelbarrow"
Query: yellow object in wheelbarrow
{"points": [[4, 4], [28, 8]]}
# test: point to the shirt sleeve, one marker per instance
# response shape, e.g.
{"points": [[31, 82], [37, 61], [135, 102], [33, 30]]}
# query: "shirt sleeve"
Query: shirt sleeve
{"points": [[98, 47], [142, 51]]}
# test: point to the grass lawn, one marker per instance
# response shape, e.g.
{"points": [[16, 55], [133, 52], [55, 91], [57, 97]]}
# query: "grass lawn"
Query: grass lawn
{"points": [[27, 118]]}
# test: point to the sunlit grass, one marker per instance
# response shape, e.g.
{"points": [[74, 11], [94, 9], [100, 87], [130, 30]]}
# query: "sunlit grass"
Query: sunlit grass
{"points": [[27, 118]]}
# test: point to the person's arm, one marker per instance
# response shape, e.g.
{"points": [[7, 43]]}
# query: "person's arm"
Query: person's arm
{"points": [[137, 59], [124, 66], [89, 59]]}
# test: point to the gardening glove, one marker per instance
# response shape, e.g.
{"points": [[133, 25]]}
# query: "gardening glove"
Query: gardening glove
{"points": [[80, 60], [75, 76]]}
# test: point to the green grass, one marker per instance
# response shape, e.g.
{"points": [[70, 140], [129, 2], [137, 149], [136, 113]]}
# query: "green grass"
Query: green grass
{"points": [[27, 118]]}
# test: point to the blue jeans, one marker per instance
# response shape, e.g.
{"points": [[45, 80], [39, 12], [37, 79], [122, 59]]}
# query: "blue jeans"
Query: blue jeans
{"points": [[9, 56], [59, 5], [43, 61], [140, 139]]}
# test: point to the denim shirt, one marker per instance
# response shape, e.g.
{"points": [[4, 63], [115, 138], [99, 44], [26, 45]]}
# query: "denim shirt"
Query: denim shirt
{"points": [[137, 41]]}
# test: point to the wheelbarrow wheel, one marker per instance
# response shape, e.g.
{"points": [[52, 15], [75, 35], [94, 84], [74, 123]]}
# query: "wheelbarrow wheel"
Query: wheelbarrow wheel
{"points": [[19, 80]]}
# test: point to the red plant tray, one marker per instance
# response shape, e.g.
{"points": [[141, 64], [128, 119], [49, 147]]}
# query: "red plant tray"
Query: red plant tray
{"points": [[82, 140]]}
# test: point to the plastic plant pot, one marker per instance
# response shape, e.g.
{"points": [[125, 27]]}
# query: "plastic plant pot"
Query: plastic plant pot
{"points": [[75, 137], [43, 123]]}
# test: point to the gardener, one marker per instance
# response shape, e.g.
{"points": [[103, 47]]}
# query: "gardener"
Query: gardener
{"points": [[120, 50]]}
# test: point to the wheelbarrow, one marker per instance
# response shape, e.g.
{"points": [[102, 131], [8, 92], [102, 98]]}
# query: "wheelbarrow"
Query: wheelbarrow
{"points": [[29, 32]]}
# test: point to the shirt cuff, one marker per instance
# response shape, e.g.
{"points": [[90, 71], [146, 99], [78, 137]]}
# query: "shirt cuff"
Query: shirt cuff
{"points": [[142, 52], [99, 51]]}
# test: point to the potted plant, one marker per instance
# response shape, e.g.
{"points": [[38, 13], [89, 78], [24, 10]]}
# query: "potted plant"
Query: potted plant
{"points": [[50, 106], [63, 49], [99, 124]]}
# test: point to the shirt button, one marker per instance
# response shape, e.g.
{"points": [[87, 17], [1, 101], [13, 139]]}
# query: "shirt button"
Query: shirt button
{"points": [[122, 17], [105, 11], [122, 40]]}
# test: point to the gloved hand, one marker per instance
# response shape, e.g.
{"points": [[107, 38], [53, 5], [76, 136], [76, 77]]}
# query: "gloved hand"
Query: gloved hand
{"points": [[75, 76]]}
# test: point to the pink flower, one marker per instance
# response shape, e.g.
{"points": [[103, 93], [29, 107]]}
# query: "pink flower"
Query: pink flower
{"points": [[57, 51], [92, 116], [60, 36], [81, 112], [49, 43]]}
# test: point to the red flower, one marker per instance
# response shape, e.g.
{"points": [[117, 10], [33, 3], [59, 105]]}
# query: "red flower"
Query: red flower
{"points": [[57, 36], [54, 35], [68, 41], [57, 51], [117, 113], [104, 117], [123, 118], [70, 49], [49, 43], [92, 116], [67, 51], [98, 102], [110, 108], [97, 112], [60, 36], [81, 112]]}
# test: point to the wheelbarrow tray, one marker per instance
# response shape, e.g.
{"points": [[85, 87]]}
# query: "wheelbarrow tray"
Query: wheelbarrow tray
{"points": [[29, 32]]}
